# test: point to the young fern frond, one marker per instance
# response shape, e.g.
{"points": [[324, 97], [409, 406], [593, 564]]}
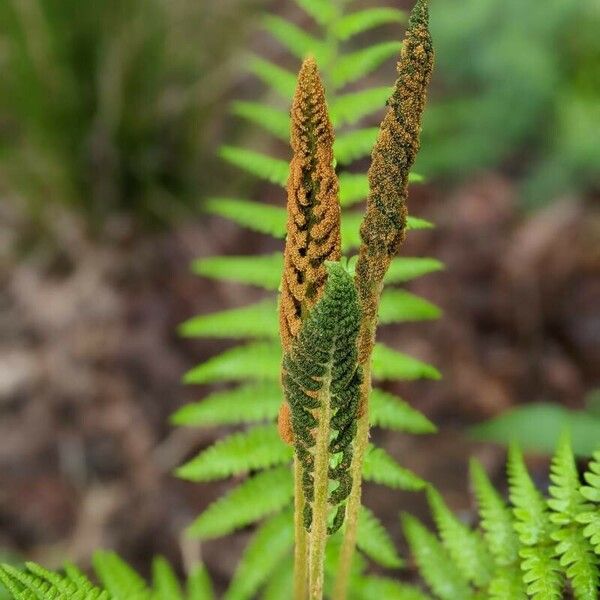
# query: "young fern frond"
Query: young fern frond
{"points": [[380, 467], [591, 492], [534, 545], [375, 541]]}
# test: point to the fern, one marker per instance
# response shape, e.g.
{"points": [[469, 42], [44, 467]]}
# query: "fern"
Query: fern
{"points": [[381, 468], [363, 20], [523, 551], [375, 542]]}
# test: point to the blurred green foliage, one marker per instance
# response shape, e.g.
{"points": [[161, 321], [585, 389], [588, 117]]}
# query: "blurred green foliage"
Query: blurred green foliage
{"points": [[105, 106], [518, 85]]}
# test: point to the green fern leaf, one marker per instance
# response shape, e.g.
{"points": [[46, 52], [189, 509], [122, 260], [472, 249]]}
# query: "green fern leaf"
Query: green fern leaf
{"points": [[261, 270], [355, 65], [374, 540], [273, 120], [394, 365], [257, 497], [465, 547], [256, 320], [507, 584], [270, 544], [259, 361], [542, 573], [382, 588], [321, 12], [591, 492], [164, 581], [496, 518], [245, 404], [363, 20], [436, 566], [273, 76], [354, 187], [294, 39], [405, 269], [256, 216], [398, 306], [281, 581], [390, 412], [415, 223], [352, 107], [381, 468], [121, 581], [261, 165], [355, 144], [199, 585], [258, 448]]}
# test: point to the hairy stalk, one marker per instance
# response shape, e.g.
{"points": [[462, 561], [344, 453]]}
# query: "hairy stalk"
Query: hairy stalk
{"points": [[383, 229], [300, 536]]}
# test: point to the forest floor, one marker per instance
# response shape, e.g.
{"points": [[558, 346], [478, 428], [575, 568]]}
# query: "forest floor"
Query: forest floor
{"points": [[90, 366]]}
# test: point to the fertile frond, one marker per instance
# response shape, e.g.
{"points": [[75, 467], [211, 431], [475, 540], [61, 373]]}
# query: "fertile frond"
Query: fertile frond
{"points": [[164, 581], [496, 518], [353, 106], [379, 588], [273, 120], [390, 412], [262, 270], [404, 269], [381, 468], [313, 207], [435, 565], [257, 216], [258, 496], [258, 361], [300, 43], [465, 547], [256, 320], [391, 364], [363, 20], [397, 306], [261, 165], [257, 448], [281, 80], [269, 545], [354, 145], [374, 540], [121, 581], [246, 404], [351, 67]]}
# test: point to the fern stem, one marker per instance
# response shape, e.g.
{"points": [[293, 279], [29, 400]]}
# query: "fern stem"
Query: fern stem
{"points": [[318, 534], [300, 537]]}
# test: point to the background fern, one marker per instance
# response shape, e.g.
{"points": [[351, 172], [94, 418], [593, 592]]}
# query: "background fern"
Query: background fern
{"points": [[255, 365], [536, 547]]}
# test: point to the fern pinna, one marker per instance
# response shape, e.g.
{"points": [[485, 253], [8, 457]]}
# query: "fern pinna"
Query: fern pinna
{"points": [[536, 547], [255, 366]]}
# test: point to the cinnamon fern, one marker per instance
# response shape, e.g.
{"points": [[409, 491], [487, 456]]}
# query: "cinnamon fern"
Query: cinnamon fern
{"points": [[534, 547], [246, 379]]}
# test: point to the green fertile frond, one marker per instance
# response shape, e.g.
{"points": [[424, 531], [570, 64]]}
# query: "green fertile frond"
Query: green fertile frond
{"points": [[394, 365], [257, 362], [465, 547], [405, 269], [381, 468], [256, 320], [355, 144], [281, 80], [390, 412], [398, 306], [363, 20], [265, 551], [261, 165], [382, 588], [257, 216], [355, 65], [591, 492], [296, 40], [257, 448], [321, 12], [164, 581], [273, 120], [352, 107], [121, 581], [435, 565], [496, 518], [255, 498], [245, 404], [262, 270], [375, 542]]}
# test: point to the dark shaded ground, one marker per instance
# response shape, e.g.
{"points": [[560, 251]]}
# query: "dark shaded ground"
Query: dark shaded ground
{"points": [[90, 366]]}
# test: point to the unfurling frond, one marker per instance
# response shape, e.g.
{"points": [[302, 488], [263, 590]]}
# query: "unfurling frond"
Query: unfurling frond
{"points": [[383, 227], [321, 365], [313, 208]]}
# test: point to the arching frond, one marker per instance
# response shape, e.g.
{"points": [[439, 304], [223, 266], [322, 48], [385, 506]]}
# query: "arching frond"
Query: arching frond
{"points": [[119, 579], [321, 12], [391, 364], [351, 107], [374, 540], [380, 467], [404, 269], [300, 43], [397, 306], [281, 80], [355, 65], [273, 120], [261, 165], [363, 20], [354, 145], [390, 412]]}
